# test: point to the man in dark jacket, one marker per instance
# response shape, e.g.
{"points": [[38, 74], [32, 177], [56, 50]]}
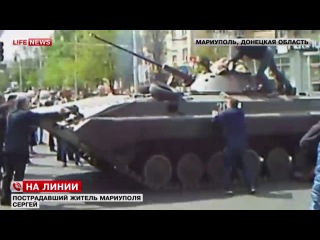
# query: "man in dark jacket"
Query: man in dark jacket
{"points": [[4, 110], [232, 121], [266, 57], [19, 122], [50, 102], [309, 142]]}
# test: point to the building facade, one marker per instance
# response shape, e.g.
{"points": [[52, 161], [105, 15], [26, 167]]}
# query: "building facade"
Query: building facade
{"points": [[180, 47], [180, 43]]}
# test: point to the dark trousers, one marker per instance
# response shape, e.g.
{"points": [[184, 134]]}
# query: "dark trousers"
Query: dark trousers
{"points": [[268, 61], [233, 160], [15, 166], [59, 150], [33, 139], [1, 155], [51, 142], [40, 140], [64, 151]]}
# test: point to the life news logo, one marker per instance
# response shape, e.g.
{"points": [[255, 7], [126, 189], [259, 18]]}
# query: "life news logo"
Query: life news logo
{"points": [[33, 42], [17, 186]]}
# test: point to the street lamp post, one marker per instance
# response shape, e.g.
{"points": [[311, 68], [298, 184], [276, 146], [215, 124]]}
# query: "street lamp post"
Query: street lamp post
{"points": [[135, 61], [40, 81], [17, 58], [20, 74], [75, 66]]}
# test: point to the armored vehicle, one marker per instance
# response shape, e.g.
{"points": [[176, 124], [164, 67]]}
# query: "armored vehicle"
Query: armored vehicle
{"points": [[166, 139]]}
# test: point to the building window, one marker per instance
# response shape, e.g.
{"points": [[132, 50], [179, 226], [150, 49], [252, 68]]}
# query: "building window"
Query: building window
{"points": [[239, 33], [282, 33], [315, 69], [185, 54], [283, 64], [184, 33], [174, 33], [174, 59], [220, 31]]}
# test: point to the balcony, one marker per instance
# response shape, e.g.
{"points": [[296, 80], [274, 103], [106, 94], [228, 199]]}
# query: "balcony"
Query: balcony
{"points": [[222, 33], [178, 35], [263, 33]]}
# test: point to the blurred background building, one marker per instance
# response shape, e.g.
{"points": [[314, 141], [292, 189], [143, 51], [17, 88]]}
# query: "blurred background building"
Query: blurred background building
{"points": [[180, 49]]}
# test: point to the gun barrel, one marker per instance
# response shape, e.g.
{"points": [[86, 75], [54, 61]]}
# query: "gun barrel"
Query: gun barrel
{"points": [[125, 50], [188, 79]]}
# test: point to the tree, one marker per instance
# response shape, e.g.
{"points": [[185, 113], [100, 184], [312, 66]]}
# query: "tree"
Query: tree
{"points": [[154, 41], [123, 62], [95, 59], [4, 81], [64, 35], [29, 62], [56, 71], [76, 55]]}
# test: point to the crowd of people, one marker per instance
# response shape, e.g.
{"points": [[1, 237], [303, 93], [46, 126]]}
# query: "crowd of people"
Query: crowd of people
{"points": [[20, 131]]}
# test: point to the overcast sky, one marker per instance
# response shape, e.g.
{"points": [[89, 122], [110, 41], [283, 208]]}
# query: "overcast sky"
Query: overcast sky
{"points": [[9, 35]]}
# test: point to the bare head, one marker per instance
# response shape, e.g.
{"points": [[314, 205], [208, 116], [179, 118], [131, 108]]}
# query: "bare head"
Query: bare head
{"points": [[232, 103], [52, 93], [22, 103], [11, 100]]}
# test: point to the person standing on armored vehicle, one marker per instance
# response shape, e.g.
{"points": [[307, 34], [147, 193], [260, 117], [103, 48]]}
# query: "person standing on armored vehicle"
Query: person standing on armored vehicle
{"points": [[205, 63], [266, 57], [232, 121]]}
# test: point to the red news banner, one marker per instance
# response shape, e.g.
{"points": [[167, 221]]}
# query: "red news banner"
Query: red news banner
{"points": [[46, 186]]}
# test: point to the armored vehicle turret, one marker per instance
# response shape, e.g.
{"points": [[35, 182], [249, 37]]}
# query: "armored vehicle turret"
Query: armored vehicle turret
{"points": [[166, 139]]}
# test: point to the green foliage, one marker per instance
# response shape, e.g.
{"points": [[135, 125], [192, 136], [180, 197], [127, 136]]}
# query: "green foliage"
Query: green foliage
{"points": [[4, 80], [31, 79], [63, 62], [213, 53], [86, 60], [30, 72]]}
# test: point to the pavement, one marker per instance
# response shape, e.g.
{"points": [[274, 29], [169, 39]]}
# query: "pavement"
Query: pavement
{"points": [[270, 196]]}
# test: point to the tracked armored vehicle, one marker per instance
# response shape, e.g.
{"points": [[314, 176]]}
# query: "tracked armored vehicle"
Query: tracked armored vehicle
{"points": [[166, 139]]}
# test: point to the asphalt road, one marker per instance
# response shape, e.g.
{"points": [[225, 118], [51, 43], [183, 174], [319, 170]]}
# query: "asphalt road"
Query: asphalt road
{"points": [[276, 196]]}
